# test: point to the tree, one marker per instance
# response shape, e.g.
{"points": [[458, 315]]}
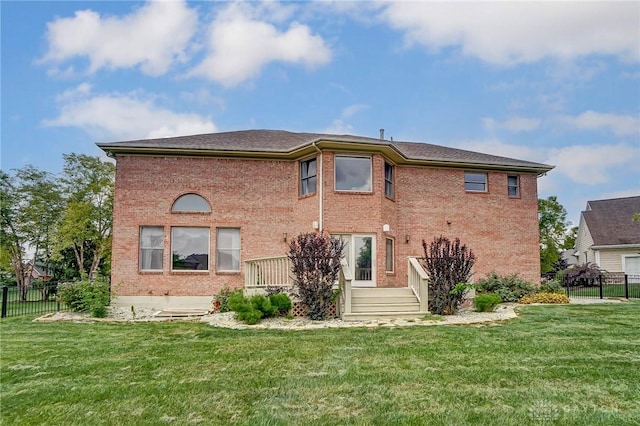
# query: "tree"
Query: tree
{"points": [[30, 206], [448, 265], [88, 185], [315, 263], [554, 236]]}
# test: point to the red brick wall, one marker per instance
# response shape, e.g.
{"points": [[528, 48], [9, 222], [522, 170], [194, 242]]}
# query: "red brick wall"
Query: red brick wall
{"points": [[261, 198]]}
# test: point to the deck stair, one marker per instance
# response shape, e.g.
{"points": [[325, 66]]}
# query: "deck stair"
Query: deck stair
{"points": [[377, 303]]}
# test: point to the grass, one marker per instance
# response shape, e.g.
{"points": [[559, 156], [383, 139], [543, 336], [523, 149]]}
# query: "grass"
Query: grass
{"points": [[609, 290], [33, 304], [565, 365]]}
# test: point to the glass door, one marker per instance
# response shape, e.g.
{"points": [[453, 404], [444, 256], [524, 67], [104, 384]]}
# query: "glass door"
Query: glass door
{"points": [[360, 254]]}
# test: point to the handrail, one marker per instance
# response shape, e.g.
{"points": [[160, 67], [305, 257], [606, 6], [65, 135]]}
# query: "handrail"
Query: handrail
{"points": [[418, 281], [267, 271], [345, 279]]}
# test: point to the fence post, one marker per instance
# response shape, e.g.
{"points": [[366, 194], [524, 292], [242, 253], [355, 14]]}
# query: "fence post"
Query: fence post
{"points": [[600, 282], [626, 286], [5, 294]]}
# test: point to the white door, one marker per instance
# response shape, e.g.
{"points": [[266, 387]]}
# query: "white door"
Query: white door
{"points": [[360, 253]]}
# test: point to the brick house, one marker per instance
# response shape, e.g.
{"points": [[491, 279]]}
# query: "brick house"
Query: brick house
{"points": [[195, 213]]}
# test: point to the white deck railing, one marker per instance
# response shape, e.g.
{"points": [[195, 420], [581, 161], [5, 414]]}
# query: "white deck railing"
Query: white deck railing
{"points": [[267, 272], [418, 282]]}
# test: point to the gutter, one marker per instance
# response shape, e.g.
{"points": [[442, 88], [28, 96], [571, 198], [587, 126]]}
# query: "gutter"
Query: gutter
{"points": [[615, 246]]}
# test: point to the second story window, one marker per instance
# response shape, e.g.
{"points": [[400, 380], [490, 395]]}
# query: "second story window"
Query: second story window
{"points": [[191, 203], [388, 180], [308, 177], [513, 186], [475, 182], [353, 174]]}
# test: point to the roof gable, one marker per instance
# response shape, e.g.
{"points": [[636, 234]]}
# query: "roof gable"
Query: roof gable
{"points": [[610, 221], [291, 145]]}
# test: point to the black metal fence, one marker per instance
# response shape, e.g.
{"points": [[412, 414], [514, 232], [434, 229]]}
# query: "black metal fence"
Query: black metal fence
{"points": [[38, 298], [605, 285]]}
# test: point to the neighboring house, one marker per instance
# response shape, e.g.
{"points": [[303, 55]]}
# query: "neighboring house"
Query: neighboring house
{"points": [[192, 214], [608, 236]]}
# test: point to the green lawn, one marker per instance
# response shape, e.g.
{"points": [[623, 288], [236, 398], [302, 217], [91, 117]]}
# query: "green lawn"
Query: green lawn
{"points": [[609, 290], [34, 303], [565, 365]]}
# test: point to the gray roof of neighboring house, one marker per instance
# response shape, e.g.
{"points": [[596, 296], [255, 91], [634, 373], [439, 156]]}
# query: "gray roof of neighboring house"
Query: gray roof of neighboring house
{"points": [[280, 142], [610, 221]]}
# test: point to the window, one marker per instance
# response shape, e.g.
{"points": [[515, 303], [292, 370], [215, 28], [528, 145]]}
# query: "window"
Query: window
{"points": [[353, 174], [631, 265], [189, 248], [476, 182], [388, 180], [308, 177], [513, 186], [151, 248], [191, 203], [389, 255], [228, 249]]}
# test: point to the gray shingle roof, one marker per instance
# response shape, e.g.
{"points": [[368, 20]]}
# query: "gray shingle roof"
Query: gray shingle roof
{"points": [[279, 141], [610, 221]]}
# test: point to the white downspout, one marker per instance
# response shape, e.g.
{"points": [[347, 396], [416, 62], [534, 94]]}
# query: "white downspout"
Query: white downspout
{"points": [[320, 192]]}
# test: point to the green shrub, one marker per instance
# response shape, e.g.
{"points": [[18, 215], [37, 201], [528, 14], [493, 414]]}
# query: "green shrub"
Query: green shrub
{"points": [[510, 288], [251, 310], [551, 286], [99, 312], [544, 297], [238, 303], [86, 296], [486, 302], [250, 317], [263, 304], [281, 302], [221, 300]]}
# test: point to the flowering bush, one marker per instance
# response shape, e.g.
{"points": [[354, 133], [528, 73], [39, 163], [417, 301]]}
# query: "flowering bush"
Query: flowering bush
{"points": [[544, 297]]}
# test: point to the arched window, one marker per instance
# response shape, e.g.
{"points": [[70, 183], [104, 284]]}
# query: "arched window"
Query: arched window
{"points": [[191, 203]]}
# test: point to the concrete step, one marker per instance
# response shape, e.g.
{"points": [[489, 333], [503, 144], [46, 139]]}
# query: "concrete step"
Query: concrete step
{"points": [[370, 300], [387, 307], [381, 292], [367, 316]]}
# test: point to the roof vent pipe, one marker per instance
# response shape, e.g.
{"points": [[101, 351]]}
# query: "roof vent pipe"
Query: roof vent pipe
{"points": [[381, 134]]}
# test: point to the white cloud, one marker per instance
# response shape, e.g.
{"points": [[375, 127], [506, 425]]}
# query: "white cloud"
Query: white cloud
{"points": [[620, 125], [592, 164], [513, 124], [581, 164], [339, 126], [116, 116], [241, 43], [152, 37], [507, 33]]}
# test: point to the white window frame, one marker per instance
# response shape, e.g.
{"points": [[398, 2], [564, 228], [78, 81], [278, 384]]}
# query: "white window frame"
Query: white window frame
{"points": [[175, 209], [303, 178], [390, 182], [393, 255], [485, 181], [517, 186], [220, 249], [335, 173], [624, 262], [142, 249]]}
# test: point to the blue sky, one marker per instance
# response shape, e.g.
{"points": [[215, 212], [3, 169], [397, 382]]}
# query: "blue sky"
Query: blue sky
{"points": [[551, 82]]}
